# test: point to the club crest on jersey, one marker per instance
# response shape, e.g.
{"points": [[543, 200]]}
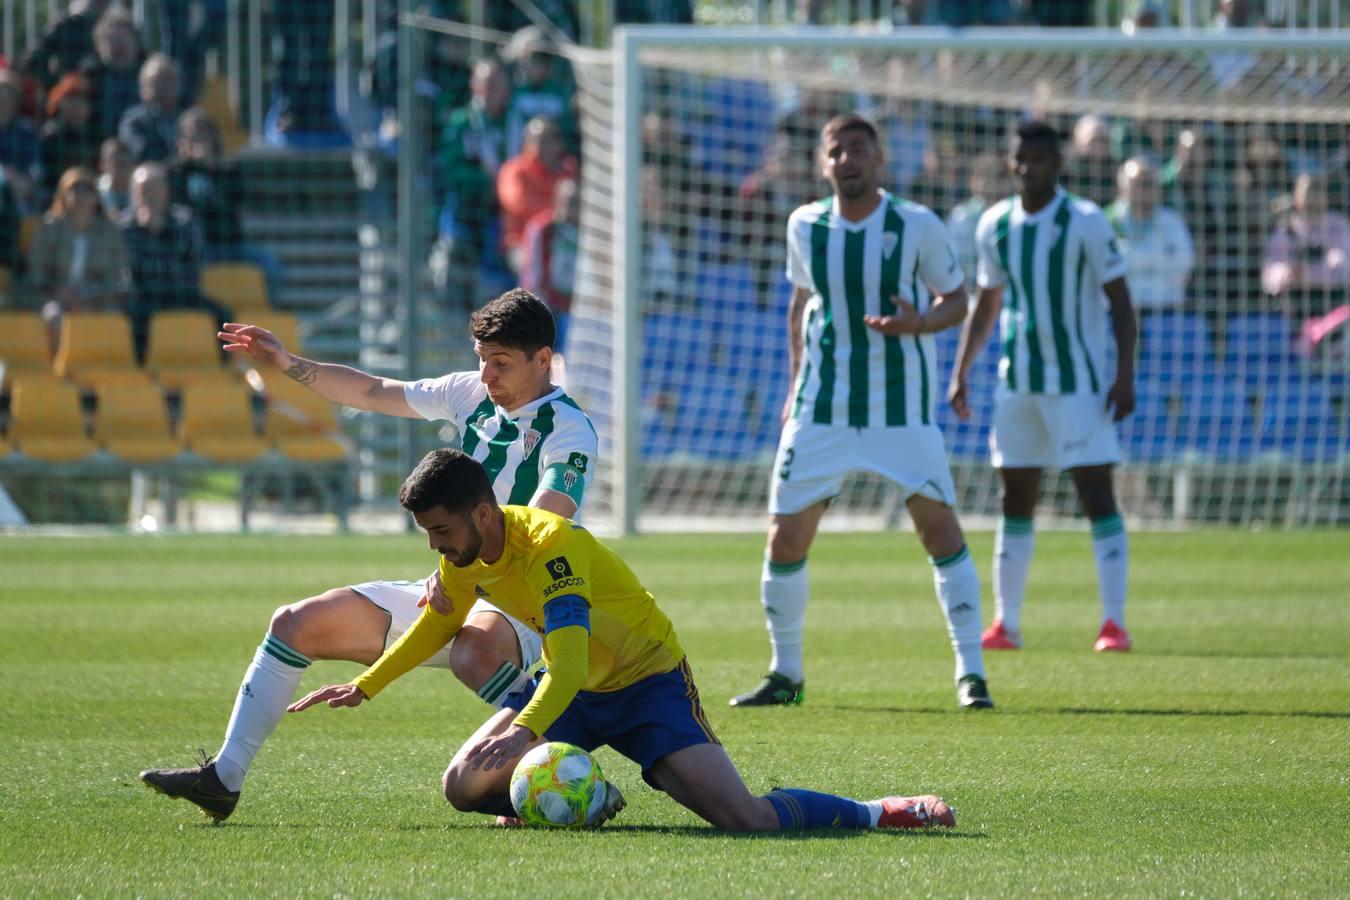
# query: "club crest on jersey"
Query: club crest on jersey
{"points": [[532, 439], [570, 479], [889, 241], [559, 568]]}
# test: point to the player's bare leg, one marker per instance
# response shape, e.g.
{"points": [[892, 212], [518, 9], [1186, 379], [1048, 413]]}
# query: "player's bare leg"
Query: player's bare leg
{"points": [[483, 790], [1014, 544], [957, 584], [784, 592], [703, 779], [1110, 548]]}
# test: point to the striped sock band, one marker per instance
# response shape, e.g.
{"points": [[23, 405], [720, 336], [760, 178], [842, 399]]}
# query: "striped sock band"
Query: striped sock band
{"points": [[1015, 524], [949, 561], [278, 649], [499, 683], [776, 568], [1107, 526]]}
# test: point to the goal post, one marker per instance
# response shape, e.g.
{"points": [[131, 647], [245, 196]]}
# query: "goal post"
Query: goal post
{"points": [[693, 143]]}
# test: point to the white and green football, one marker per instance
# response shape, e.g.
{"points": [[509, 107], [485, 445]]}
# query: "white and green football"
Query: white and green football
{"points": [[558, 784]]}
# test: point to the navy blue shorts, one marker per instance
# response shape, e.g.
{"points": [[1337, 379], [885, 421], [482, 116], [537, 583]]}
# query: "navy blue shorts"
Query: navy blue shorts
{"points": [[645, 721]]}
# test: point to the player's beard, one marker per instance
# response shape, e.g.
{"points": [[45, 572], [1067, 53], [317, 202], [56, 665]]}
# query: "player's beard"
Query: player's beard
{"points": [[469, 554], [854, 187]]}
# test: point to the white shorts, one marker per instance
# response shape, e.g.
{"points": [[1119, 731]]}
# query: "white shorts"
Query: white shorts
{"points": [[813, 461], [399, 599], [1036, 431]]}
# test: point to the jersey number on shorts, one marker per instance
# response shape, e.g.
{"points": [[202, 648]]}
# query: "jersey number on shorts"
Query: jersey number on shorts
{"points": [[785, 471]]}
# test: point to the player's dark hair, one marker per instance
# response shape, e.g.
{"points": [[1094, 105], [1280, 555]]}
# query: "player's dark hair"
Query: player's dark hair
{"points": [[1037, 131], [448, 478], [848, 122], [516, 319]]}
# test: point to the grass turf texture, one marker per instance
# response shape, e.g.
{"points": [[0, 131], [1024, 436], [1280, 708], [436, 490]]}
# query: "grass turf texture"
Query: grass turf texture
{"points": [[1211, 761]]}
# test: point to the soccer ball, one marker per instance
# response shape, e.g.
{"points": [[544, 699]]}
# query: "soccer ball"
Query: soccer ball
{"points": [[557, 784]]}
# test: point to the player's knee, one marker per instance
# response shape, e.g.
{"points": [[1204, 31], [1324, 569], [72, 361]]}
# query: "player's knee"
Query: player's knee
{"points": [[297, 624], [456, 791], [475, 657], [786, 545], [288, 625]]}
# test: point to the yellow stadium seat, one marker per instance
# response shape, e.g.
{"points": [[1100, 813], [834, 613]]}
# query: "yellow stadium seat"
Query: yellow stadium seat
{"points": [[285, 326], [133, 424], [182, 347], [95, 348], [6, 286], [28, 229], [46, 421], [217, 422], [239, 287], [23, 344], [301, 425]]}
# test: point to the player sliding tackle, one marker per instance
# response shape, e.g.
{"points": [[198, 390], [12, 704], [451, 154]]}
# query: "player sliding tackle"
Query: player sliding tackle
{"points": [[540, 448], [616, 672]]}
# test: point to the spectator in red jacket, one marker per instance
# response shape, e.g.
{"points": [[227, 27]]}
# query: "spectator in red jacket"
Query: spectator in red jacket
{"points": [[549, 254], [526, 183]]}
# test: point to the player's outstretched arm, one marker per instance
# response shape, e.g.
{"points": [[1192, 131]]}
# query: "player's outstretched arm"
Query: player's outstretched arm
{"points": [[974, 335], [340, 384], [334, 694]]}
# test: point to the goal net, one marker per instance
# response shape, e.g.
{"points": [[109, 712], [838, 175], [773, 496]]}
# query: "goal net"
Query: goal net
{"points": [[1222, 165]]}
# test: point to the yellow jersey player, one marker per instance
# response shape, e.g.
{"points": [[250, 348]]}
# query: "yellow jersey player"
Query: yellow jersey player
{"points": [[616, 675]]}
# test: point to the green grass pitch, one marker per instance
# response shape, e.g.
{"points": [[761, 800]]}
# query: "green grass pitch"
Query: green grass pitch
{"points": [[1213, 761]]}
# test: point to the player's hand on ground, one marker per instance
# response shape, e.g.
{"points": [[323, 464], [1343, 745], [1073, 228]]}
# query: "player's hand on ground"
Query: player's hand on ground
{"points": [[958, 396], [905, 320], [500, 750], [1120, 399], [435, 595], [260, 344], [334, 694]]}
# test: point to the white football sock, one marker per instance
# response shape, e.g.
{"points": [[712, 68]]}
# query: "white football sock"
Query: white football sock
{"points": [[269, 684], [1111, 548], [783, 591], [958, 593], [1014, 544]]}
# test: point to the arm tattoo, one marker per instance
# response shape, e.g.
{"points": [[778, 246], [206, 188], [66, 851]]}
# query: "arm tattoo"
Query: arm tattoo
{"points": [[303, 371]]}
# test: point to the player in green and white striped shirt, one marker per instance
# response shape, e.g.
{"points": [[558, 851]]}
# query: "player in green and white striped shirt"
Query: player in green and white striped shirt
{"points": [[538, 448], [1046, 260], [875, 277]]}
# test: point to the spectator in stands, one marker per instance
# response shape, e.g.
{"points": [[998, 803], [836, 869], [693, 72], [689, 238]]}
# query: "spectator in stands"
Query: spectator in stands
{"points": [[512, 18], [11, 217], [767, 196], [1258, 188], [303, 112], [1091, 170], [213, 188], [68, 41], [472, 150], [164, 253], [20, 151], [186, 44], [1307, 260], [77, 262], [941, 183], [542, 88], [68, 136], [114, 70], [988, 183], [1156, 242], [549, 255], [661, 263], [150, 128], [1197, 187], [1230, 67], [114, 180], [526, 182]]}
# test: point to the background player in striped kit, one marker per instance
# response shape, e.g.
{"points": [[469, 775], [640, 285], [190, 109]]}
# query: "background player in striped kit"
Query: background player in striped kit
{"points": [[537, 447], [1055, 254], [863, 264]]}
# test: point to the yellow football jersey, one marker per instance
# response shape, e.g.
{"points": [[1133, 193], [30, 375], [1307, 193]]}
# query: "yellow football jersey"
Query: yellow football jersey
{"points": [[602, 629]]}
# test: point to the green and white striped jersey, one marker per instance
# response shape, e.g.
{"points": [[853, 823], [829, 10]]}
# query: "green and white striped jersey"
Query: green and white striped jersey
{"points": [[851, 375], [1053, 265], [547, 443]]}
